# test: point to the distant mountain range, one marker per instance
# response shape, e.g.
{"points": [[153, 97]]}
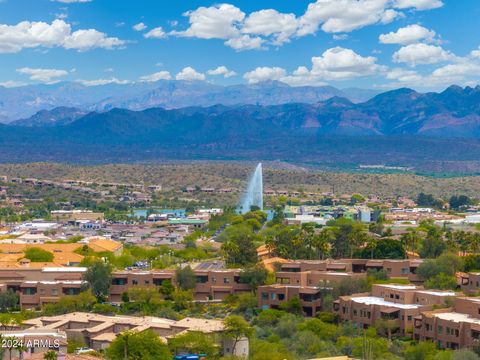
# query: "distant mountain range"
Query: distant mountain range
{"points": [[431, 131], [23, 102]]}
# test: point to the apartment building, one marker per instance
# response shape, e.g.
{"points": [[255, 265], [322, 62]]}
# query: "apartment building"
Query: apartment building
{"points": [[35, 294], [306, 285], [452, 328], [39, 286], [405, 268], [98, 331], [210, 285], [396, 304], [470, 282], [271, 296], [122, 281]]}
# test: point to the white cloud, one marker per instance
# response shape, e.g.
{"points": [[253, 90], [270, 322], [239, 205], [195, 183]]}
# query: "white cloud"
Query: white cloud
{"points": [[334, 64], [14, 38], [461, 70], [100, 82], [264, 73], [190, 74], [245, 42], [271, 27], [139, 27], [415, 54], [160, 75], [12, 83], [215, 22], [47, 76], [156, 33], [408, 35], [222, 70], [344, 15], [83, 40], [418, 4], [270, 22], [340, 63]]}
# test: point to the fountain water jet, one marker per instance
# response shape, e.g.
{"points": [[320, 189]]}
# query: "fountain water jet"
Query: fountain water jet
{"points": [[253, 195]]}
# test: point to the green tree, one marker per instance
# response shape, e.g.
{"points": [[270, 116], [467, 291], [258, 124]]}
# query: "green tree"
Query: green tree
{"points": [[433, 245], [35, 254], [236, 328], [186, 278], [99, 278], [145, 345], [50, 355], [194, 343], [425, 350], [254, 276], [8, 300]]}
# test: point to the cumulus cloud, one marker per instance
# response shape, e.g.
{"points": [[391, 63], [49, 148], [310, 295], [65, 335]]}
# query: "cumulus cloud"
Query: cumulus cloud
{"points": [[160, 75], [223, 71], [214, 22], [245, 42], [26, 34], [100, 82], [418, 4], [335, 16], [47, 76], [415, 54], [408, 35], [334, 64], [264, 73], [156, 33], [190, 74], [243, 31], [139, 27], [270, 22]]}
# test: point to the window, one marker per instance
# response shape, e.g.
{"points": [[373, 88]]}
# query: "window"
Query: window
{"points": [[42, 291], [354, 312], [440, 329], [54, 292], [29, 291], [264, 296], [147, 282], [281, 297], [409, 317], [134, 282], [397, 297], [214, 279], [273, 296], [226, 280]]}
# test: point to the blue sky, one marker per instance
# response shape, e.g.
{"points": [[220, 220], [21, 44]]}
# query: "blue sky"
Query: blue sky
{"points": [[424, 44]]}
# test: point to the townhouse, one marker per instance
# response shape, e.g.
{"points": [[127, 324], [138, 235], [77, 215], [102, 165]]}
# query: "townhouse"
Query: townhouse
{"points": [[470, 282], [405, 268], [98, 331], [452, 328], [397, 305], [306, 285], [210, 284]]}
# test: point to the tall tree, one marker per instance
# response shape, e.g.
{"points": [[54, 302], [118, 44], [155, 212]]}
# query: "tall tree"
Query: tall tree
{"points": [[145, 345], [99, 278]]}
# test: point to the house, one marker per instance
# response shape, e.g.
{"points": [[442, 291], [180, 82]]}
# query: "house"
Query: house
{"points": [[99, 331]]}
